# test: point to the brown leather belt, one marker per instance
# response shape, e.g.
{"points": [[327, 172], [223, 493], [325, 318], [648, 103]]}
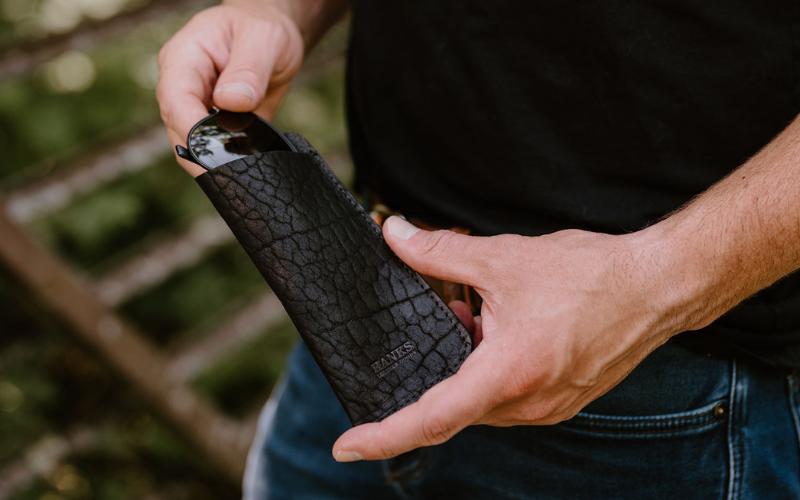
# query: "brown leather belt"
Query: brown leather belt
{"points": [[449, 291]]}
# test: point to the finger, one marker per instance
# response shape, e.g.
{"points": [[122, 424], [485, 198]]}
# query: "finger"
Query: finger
{"points": [[272, 100], [444, 410], [184, 88], [442, 254], [464, 314], [471, 323], [243, 83], [477, 333]]}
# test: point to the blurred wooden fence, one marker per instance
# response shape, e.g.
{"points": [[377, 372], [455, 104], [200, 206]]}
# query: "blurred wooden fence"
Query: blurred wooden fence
{"points": [[87, 307]]}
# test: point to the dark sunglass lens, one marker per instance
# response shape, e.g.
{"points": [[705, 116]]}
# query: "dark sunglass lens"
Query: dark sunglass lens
{"points": [[226, 136]]}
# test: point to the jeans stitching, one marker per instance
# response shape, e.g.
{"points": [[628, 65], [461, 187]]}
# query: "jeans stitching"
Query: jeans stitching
{"points": [[734, 454], [253, 483], [793, 390], [691, 417], [662, 426], [741, 417]]}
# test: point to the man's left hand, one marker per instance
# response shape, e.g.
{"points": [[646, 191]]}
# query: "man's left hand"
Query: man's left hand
{"points": [[565, 318]]}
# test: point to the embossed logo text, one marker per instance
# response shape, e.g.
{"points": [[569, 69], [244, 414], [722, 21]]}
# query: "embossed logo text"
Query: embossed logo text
{"points": [[389, 361]]}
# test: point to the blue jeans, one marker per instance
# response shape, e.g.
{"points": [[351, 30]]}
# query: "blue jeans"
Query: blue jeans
{"points": [[683, 425]]}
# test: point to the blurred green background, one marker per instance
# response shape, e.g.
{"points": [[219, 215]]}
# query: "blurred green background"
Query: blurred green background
{"points": [[70, 426]]}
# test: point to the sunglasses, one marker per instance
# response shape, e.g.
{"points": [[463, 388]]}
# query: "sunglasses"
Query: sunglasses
{"points": [[224, 136]]}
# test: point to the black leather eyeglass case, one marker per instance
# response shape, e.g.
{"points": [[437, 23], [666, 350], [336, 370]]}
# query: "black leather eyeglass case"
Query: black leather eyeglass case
{"points": [[380, 335]]}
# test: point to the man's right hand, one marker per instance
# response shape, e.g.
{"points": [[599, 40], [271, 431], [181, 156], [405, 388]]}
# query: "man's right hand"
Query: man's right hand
{"points": [[238, 57]]}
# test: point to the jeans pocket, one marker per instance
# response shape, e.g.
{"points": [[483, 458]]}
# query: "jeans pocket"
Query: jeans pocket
{"points": [[674, 391], [664, 425]]}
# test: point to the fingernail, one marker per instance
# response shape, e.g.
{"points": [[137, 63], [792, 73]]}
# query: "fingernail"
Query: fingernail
{"points": [[238, 88], [347, 456], [400, 228]]}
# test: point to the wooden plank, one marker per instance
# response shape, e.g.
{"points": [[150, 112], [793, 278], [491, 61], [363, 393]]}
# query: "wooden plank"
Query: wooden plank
{"points": [[86, 173], [163, 260], [223, 441], [43, 457], [243, 326]]}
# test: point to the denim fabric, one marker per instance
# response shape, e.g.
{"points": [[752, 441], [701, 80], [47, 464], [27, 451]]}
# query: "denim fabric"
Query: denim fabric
{"points": [[683, 425]]}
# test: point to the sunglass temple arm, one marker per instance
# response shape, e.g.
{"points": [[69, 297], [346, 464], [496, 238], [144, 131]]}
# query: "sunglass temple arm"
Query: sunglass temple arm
{"points": [[184, 153]]}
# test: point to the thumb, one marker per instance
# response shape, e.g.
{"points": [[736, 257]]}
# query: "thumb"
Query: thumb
{"points": [[243, 83], [442, 254]]}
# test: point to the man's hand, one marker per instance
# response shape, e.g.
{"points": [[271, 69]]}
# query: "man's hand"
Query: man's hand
{"points": [[565, 318], [238, 57]]}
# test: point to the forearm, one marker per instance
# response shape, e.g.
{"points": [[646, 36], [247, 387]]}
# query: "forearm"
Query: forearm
{"points": [[312, 17], [740, 236]]}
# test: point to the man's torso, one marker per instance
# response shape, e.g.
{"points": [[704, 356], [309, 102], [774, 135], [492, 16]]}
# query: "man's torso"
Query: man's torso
{"points": [[530, 117]]}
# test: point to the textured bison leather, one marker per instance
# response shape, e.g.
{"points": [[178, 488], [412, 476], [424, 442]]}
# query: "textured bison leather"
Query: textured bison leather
{"points": [[381, 336]]}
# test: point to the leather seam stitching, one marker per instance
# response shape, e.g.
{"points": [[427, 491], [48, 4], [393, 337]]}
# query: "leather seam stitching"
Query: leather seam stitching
{"points": [[437, 300]]}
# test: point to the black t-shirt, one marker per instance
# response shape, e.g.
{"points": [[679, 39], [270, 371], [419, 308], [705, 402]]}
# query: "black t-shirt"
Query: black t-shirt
{"points": [[530, 116]]}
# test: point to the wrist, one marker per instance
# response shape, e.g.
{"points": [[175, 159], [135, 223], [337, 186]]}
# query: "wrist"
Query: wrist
{"points": [[310, 18], [679, 280]]}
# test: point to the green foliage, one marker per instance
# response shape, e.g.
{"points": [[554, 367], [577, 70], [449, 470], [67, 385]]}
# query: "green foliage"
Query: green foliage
{"points": [[254, 369], [196, 297], [26, 397], [49, 386], [106, 226], [40, 125]]}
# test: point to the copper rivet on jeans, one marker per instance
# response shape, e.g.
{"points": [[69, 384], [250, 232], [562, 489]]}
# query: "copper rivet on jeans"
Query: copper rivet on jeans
{"points": [[719, 410]]}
